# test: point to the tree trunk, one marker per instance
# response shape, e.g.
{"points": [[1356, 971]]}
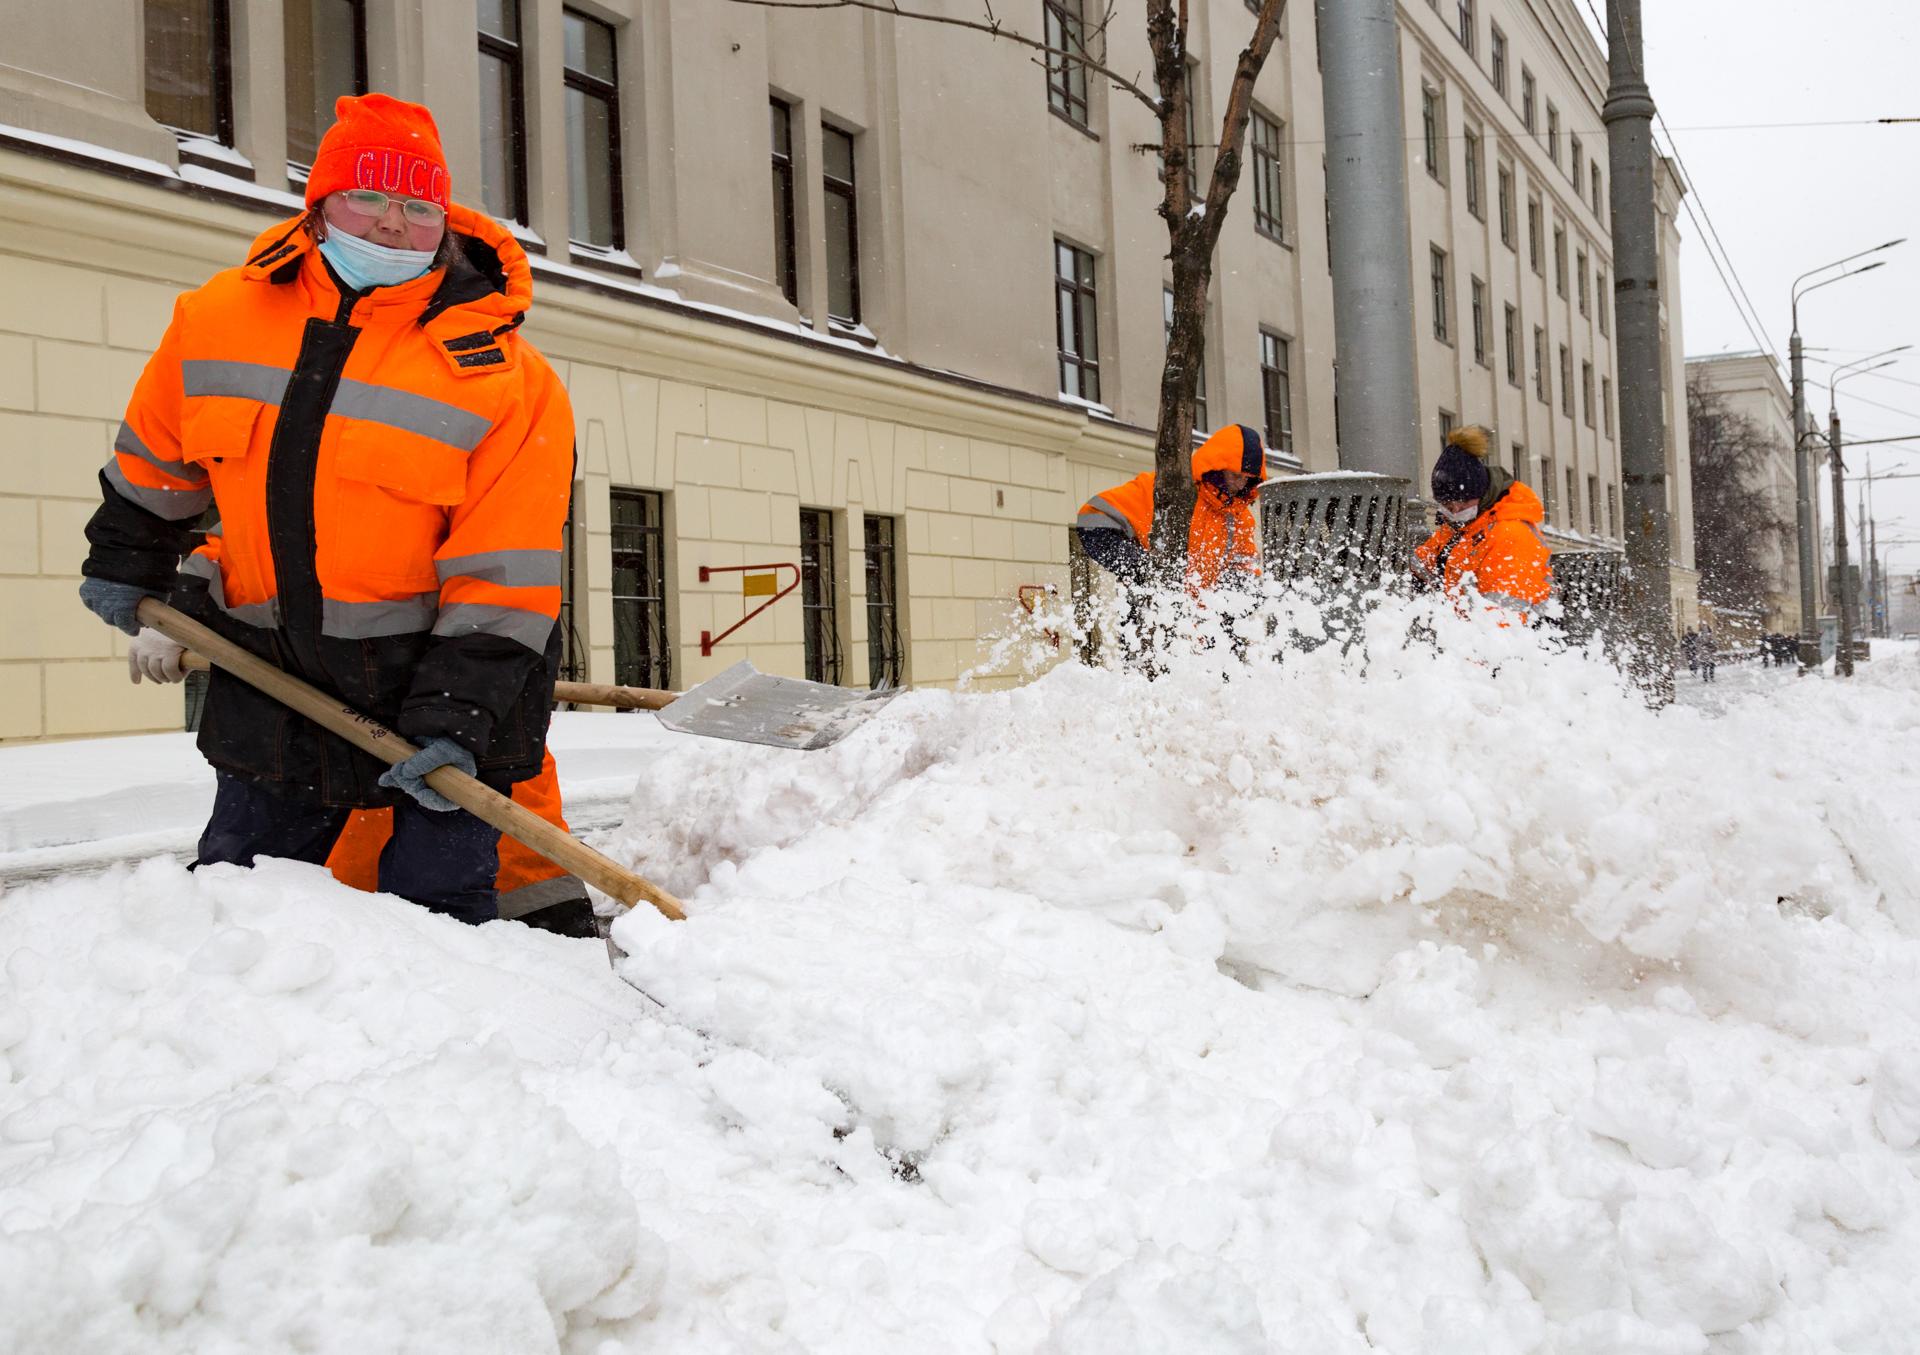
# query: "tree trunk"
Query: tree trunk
{"points": [[1193, 233]]}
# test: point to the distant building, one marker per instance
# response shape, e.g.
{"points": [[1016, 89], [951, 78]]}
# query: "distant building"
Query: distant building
{"points": [[878, 299], [1752, 387]]}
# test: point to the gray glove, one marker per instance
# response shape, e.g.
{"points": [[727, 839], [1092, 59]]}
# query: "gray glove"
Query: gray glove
{"points": [[411, 775], [117, 604]]}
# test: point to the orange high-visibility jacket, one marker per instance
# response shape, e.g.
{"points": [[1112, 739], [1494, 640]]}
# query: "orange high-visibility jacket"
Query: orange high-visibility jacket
{"points": [[1501, 549], [525, 879], [391, 472], [1224, 537]]}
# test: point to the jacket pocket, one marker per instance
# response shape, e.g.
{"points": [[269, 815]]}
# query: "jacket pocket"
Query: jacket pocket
{"points": [[410, 468], [217, 428]]}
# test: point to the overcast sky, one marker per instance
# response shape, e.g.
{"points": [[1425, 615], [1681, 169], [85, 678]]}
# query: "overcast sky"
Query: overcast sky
{"points": [[1787, 199]]}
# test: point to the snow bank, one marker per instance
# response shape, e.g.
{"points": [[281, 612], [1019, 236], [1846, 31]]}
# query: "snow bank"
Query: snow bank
{"points": [[1406, 998]]}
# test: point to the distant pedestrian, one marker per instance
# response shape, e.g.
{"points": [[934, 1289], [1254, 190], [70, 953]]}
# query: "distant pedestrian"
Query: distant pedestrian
{"points": [[1690, 649], [1705, 652]]}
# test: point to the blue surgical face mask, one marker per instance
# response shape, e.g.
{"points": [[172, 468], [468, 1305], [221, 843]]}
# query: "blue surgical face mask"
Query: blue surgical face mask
{"points": [[362, 264]]}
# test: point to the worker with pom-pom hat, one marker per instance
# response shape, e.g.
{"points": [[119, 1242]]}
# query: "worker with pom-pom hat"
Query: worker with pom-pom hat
{"points": [[1489, 534]]}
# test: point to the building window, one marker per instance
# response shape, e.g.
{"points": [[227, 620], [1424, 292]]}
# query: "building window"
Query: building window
{"points": [[1540, 365], [1593, 504], [1519, 453], [1200, 424], [1548, 494], [503, 113], [1606, 407], [1066, 78], [1506, 206], [1526, 98], [1597, 198], [1513, 347], [1586, 393], [818, 584], [1573, 499], [1560, 260], [1600, 291], [1579, 171], [1553, 133], [1613, 512], [1076, 305], [785, 269], [1497, 58], [189, 79], [326, 57], [1446, 423], [640, 654], [1580, 270], [1269, 183], [1276, 392], [1474, 203], [1566, 381], [1465, 26], [1438, 277], [1479, 322], [595, 213], [843, 226], [886, 656], [1430, 126]]}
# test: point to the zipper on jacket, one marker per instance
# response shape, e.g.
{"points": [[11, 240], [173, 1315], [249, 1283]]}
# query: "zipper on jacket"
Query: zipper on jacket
{"points": [[293, 459]]}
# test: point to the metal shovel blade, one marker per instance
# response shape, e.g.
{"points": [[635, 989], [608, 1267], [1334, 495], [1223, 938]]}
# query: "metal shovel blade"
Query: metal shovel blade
{"points": [[748, 706]]}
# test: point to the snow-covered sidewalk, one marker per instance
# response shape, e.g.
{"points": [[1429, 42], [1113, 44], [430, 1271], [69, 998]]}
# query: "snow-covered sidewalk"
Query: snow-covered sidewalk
{"points": [[1463, 1005]]}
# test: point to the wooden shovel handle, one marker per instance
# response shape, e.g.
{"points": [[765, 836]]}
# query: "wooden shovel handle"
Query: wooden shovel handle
{"points": [[370, 736], [570, 693]]}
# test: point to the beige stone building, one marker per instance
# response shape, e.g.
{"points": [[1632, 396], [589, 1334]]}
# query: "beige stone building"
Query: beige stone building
{"points": [[1752, 387], [878, 300]]}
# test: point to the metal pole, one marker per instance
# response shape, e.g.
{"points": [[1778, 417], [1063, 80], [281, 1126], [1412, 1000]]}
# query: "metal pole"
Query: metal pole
{"points": [[1803, 482], [1843, 653], [1628, 115], [1373, 308]]}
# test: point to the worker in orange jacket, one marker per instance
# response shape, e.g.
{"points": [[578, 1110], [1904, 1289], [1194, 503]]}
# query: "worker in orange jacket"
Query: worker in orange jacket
{"points": [[1489, 531], [390, 464], [1115, 526], [1223, 543]]}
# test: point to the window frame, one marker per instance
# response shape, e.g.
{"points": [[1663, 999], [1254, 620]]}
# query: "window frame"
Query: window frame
{"points": [[784, 215], [847, 189], [1513, 326], [1479, 302], [1431, 129], [1585, 294], [360, 77], [648, 666], [1276, 391], [819, 596], [1542, 381], [1505, 192], [886, 651], [1577, 162], [1269, 172], [220, 22], [1566, 381], [1529, 89], [1586, 391], [1560, 259], [1606, 408], [1553, 134], [1536, 236], [1593, 172], [594, 87], [1062, 98], [512, 54], [1440, 293], [1465, 27], [1471, 141], [1599, 296], [1082, 299], [1497, 59]]}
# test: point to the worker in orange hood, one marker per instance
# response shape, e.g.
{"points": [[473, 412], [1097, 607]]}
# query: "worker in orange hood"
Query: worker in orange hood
{"points": [[390, 464], [1223, 544], [1489, 530]]}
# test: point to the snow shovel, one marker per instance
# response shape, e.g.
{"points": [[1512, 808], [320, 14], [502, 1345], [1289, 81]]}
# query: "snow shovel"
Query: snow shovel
{"points": [[741, 704], [369, 736]]}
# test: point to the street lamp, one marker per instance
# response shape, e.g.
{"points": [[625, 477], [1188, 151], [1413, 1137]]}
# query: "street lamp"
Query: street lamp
{"points": [[1803, 481], [1843, 653]]}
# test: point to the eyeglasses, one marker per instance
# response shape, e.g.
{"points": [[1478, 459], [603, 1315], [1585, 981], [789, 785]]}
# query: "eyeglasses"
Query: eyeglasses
{"points": [[371, 202]]}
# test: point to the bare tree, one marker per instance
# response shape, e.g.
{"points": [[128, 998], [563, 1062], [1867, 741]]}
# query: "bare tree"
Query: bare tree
{"points": [[1738, 530], [1193, 221]]}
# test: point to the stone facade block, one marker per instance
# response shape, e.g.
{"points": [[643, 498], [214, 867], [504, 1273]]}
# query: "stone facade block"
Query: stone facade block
{"points": [[950, 534], [138, 313], [58, 458], [947, 454], [930, 576], [1028, 467], [926, 490], [20, 713], [20, 536], [689, 505], [703, 461], [992, 539], [16, 372], [50, 301], [973, 578], [45, 620], [83, 380], [740, 515], [734, 417], [768, 468], [96, 698], [1034, 541], [970, 496], [990, 461]]}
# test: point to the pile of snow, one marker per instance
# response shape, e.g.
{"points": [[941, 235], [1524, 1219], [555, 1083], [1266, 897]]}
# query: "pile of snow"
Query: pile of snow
{"points": [[1398, 997]]}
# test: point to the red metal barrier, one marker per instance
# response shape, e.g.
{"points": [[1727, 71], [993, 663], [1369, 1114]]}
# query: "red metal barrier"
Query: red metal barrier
{"points": [[750, 587], [1028, 593]]}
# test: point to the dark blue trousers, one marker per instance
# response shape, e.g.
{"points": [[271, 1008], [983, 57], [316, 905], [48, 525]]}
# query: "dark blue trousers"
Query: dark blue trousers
{"points": [[444, 862]]}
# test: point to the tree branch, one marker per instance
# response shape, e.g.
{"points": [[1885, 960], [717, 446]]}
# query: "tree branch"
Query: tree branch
{"points": [[992, 26]]}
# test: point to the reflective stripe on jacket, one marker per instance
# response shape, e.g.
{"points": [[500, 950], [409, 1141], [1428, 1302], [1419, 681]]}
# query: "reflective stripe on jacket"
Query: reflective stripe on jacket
{"points": [[1224, 537], [1502, 550], [391, 472]]}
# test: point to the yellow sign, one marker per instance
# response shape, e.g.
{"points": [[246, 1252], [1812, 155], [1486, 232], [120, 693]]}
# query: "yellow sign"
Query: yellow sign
{"points": [[759, 585]]}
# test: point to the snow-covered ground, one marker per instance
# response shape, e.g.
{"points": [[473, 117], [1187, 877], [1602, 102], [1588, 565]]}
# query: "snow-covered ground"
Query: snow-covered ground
{"points": [[1431, 1002]]}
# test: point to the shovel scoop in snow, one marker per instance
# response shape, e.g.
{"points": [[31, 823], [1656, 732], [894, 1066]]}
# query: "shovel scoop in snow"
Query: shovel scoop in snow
{"points": [[748, 706]]}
